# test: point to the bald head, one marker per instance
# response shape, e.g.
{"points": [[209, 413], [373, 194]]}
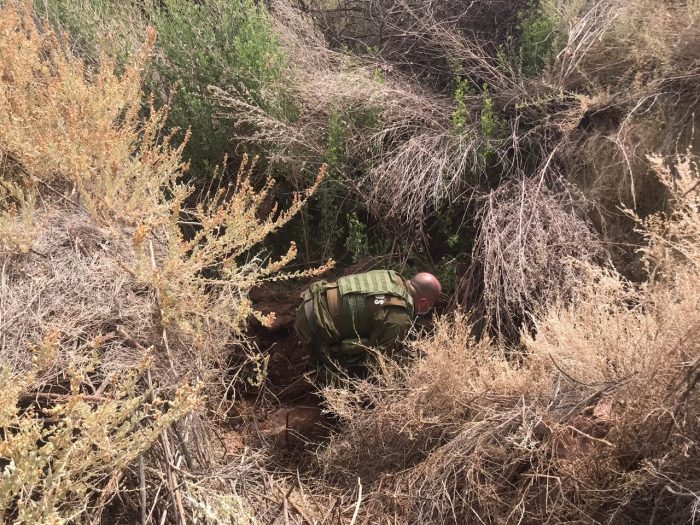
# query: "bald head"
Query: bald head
{"points": [[426, 291]]}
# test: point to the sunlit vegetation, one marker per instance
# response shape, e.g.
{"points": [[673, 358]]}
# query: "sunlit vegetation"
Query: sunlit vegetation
{"points": [[161, 161]]}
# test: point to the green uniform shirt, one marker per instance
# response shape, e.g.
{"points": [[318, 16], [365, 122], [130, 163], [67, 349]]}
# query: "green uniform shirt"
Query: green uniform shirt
{"points": [[388, 327], [376, 311]]}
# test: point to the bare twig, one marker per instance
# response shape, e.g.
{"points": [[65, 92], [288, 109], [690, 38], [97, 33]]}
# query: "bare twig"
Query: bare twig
{"points": [[142, 489], [357, 504]]}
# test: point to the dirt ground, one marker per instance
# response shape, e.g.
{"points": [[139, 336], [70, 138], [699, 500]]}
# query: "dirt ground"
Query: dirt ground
{"points": [[286, 409], [285, 412], [288, 360]]}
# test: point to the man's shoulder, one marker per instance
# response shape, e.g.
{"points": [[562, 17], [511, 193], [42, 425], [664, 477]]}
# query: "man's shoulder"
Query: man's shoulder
{"points": [[390, 309], [383, 301]]}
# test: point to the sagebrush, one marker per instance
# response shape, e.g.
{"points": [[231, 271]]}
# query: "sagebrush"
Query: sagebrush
{"points": [[116, 325]]}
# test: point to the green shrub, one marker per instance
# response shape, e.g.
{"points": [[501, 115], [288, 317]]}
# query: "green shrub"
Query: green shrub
{"points": [[493, 126], [356, 241], [338, 226], [494, 129], [543, 32], [460, 116], [226, 43], [327, 208]]}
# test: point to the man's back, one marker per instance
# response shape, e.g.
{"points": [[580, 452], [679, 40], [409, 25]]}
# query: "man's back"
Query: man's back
{"points": [[339, 320], [366, 298]]}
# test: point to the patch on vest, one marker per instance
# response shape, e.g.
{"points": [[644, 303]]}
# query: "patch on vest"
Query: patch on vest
{"points": [[379, 300]]}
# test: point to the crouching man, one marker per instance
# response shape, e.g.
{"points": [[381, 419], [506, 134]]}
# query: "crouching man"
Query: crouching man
{"points": [[339, 321]]}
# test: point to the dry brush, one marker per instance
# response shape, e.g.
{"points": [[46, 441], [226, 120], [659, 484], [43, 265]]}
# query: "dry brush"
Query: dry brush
{"points": [[598, 422], [117, 328]]}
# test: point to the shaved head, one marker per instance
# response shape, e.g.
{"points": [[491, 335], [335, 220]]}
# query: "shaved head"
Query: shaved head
{"points": [[426, 286]]}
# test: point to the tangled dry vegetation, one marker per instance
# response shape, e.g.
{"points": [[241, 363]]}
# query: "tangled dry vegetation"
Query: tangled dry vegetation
{"points": [[407, 128], [607, 99], [599, 422], [533, 249], [117, 330], [418, 139]]}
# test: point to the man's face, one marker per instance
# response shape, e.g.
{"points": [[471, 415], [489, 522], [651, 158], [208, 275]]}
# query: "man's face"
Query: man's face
{"points": [[423, 306]]}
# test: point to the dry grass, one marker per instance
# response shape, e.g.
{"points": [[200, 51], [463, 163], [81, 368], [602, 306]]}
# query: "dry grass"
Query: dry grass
{"points": [[597, 423], [116, 328], [530, 251], [637, 62]]}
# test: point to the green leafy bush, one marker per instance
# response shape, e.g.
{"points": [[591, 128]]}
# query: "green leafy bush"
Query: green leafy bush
{"points": [[329, 203], [221, 43], [338, 227], [494, 129], [228, 44], [544, 27], [538, 26], [356, 240], [460, 116]]}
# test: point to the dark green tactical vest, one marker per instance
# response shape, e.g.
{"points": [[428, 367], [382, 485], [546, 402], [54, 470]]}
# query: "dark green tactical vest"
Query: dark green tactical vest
{"points": [[362, 294]]}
